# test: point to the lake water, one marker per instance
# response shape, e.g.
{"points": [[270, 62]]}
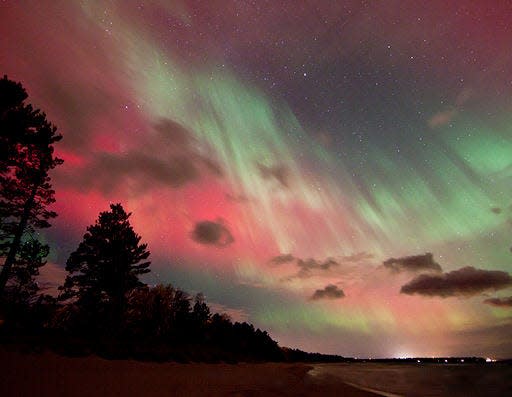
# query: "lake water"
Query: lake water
{"points": [[431, 380]]}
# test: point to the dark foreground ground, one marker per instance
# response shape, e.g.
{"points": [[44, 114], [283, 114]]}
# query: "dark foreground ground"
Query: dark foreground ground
{"points": [[47, 374]]}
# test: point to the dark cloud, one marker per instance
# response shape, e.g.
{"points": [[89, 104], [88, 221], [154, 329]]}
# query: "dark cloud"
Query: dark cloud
{"points": [[499, 302], [413, 263], [212, 233], [281, 259], [277, 172], [314, 264], [309, 267], [328, 263], [308, 263], [173, 133], [170, 159], [466, 281], [110, 170], [331, 291], [496, 210], [181, 143]]}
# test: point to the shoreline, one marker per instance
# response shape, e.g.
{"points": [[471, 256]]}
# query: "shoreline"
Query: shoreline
{"points": [[434, 380]]}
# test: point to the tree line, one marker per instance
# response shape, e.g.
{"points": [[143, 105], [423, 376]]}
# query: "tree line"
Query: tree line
{"points": [[103, 307]]}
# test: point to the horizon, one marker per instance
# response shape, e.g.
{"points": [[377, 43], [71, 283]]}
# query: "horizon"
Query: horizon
{"points": [[339, 175]]}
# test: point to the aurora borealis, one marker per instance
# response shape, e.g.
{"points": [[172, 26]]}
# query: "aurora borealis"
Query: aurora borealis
{"points": [[294, 161]]}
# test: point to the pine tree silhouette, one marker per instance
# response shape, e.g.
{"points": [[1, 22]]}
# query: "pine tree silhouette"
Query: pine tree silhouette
{"points": [[106, 265], [26, 157]]}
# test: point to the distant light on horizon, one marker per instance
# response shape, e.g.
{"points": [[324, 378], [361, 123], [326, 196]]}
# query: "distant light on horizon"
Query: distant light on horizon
{"points": [[404, 354]]}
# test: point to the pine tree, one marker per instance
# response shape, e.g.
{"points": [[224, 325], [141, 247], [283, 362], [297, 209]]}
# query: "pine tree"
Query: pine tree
{"points": [[106, 264], [26, 157]]}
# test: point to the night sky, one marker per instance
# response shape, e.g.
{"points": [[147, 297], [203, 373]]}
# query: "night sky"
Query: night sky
{"points": [[337, 173]]}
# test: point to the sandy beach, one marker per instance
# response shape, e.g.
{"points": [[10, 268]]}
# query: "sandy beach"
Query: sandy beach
{"points": [[48, 374]]}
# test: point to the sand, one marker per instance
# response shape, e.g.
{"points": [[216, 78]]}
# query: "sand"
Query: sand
{"points": [[48, 374]]}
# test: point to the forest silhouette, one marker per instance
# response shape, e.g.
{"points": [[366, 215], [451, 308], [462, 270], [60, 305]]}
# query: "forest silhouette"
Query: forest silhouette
{"points": [[103, 307]]}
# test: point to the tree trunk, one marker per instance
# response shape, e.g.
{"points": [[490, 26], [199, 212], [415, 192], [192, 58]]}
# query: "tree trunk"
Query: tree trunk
{"points": [[16, 242]]}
